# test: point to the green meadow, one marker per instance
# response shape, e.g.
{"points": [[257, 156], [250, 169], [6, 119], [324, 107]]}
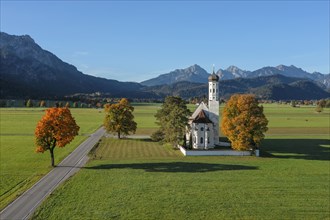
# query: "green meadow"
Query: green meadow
{"points": [[20, 166], [140, 179]]}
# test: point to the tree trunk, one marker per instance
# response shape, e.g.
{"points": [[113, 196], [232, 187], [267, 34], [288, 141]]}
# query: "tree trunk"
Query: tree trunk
{"points": [[51, 150], [118, 134]]}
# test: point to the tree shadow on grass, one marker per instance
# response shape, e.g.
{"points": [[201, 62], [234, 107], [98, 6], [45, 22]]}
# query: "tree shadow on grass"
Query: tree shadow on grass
{"points": [[174, 167], [308, 149]]}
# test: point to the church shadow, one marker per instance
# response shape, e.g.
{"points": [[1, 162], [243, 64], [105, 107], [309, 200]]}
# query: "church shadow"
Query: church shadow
{"points": [[308, 149], [174, 167]]}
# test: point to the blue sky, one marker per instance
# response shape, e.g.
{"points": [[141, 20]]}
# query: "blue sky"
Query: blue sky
{"points": [[138, 40]]}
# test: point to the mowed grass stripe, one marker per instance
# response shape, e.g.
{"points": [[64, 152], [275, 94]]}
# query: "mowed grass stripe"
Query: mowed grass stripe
{"points": [[112, 148]]}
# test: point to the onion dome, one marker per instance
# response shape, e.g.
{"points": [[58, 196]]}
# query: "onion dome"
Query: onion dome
{"points": [[213, 77]]}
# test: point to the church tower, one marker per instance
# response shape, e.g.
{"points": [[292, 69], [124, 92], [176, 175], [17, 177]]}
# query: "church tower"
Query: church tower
{"points": [[214, 104]]}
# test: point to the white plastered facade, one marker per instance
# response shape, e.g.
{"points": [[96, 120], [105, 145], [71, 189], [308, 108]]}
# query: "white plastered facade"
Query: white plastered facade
{"points": [[203, 132]]}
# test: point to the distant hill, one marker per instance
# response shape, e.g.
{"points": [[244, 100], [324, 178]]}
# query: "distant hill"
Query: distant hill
{"points": [[29, 71], [197, 74], [275, 87], [193, 73]]}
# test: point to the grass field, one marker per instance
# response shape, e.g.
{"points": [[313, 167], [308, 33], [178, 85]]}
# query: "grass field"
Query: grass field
{"points": [[139, 179], [143, 116], [20, 166]]}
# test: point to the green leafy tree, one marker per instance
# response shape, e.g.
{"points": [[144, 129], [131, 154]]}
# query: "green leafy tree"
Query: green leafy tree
{"points": [[42, 103], [173, 119], [119, 118], [29, 103], [244, 122], [157, 136], [322, 103], [319, 109], [327, 104], [3, 103], [293, 103]]}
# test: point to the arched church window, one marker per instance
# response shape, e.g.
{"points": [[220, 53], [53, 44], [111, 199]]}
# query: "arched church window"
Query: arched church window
{"points": [[202, 129], [213, 90], [202, 140]]}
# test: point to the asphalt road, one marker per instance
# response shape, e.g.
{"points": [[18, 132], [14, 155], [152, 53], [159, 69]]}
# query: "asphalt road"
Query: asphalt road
{"points": [[24, 206]]}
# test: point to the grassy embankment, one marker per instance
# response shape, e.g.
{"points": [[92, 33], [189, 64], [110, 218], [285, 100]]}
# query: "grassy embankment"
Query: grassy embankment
{"points": [[139, 179]]}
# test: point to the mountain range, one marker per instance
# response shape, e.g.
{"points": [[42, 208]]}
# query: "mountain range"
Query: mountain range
{"points": [[28, 71], [275, 87], [197, 74]]}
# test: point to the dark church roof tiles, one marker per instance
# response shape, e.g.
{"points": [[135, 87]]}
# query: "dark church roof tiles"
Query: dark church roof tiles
{"points": [[201, 118]]}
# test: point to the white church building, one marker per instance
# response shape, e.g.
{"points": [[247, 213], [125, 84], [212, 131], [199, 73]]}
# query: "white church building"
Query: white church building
{"points": [[203, 129]]}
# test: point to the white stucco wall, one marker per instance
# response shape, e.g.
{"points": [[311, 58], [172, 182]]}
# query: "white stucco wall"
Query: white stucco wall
{"points": [[214, 152], [206, 133]]}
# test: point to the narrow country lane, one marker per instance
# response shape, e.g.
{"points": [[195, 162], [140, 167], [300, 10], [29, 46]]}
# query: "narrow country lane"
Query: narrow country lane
{"points": [[26, 204]]}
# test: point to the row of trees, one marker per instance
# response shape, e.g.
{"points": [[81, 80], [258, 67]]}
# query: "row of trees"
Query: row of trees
{"points": [[243, 122], [42, 104], [57, 127]]}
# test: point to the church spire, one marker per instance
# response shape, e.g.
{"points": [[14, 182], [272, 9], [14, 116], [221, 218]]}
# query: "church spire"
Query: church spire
{"points": [[213, 70]]}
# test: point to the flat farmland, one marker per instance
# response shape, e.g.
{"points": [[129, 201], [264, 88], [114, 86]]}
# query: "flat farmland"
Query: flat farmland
{"points": [[20, 166], [144, 117], [140, 179]]}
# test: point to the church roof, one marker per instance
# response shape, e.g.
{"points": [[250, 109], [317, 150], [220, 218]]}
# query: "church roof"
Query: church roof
{"points": [[201, 118], [201, 106]]}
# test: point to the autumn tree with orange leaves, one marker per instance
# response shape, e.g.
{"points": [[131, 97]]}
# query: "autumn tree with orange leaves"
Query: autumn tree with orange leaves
{"points": [[244, 122], [56, 128], [119, 118]]}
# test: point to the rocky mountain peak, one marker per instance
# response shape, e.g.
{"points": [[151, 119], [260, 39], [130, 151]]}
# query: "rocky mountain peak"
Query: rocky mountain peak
{"points": [[233, 69], [194, 68], [15, 41], [287, 68]]}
